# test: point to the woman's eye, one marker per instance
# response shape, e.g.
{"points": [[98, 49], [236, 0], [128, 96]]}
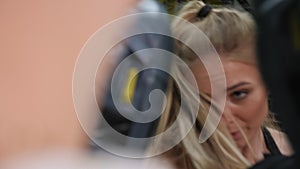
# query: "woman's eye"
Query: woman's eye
{"points": [[239, 94]]}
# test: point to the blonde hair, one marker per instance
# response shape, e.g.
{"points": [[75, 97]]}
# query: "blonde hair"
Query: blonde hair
{"points": [[228, 30], [218, 152]]}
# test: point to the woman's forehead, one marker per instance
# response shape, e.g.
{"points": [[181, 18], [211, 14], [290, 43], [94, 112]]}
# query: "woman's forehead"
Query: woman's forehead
{"points": [[234, 72]]}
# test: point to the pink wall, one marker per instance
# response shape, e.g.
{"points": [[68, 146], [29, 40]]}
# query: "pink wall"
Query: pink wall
{"points": [[39, 43]]}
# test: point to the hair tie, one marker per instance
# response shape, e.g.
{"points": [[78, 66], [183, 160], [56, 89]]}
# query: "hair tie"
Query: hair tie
{"points": [[204, 11]]}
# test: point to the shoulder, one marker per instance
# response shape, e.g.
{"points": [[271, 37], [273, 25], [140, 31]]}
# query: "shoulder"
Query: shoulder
{"points": [[281, 141]]}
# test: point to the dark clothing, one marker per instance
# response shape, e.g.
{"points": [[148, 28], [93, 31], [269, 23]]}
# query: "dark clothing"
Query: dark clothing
{"points": [[274, 160], [270, 143]]}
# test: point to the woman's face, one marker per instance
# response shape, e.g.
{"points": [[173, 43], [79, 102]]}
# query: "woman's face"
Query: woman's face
{"points": [[246, 97]]}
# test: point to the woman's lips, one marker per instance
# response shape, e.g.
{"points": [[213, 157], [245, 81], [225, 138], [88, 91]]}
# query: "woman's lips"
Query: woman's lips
{"points": [[236, 135]]}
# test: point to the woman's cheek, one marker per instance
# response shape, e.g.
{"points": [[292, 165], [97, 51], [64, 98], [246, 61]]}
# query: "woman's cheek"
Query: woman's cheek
{"points": [[256, 110]]}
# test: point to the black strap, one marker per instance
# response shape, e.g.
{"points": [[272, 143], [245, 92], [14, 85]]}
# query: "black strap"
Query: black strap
{"points": [[276, 162], [270, 143]]}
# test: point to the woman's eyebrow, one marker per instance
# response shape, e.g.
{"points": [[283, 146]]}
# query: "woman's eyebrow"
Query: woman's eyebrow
{"points": [[237, 85]]}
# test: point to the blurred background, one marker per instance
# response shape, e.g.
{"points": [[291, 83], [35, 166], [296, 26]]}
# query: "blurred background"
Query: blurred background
{"points": [[40, 42]]}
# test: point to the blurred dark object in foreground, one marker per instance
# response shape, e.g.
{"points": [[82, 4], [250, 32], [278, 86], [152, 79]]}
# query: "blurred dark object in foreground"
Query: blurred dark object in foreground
{"points": [[136, 92], [278, 46]]}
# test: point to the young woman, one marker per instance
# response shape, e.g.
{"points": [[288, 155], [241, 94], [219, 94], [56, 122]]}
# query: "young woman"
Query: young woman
{"points": [[245, 134]]}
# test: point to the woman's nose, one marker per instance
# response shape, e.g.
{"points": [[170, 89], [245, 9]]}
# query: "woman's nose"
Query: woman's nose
{"points": [[228, 113]]}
